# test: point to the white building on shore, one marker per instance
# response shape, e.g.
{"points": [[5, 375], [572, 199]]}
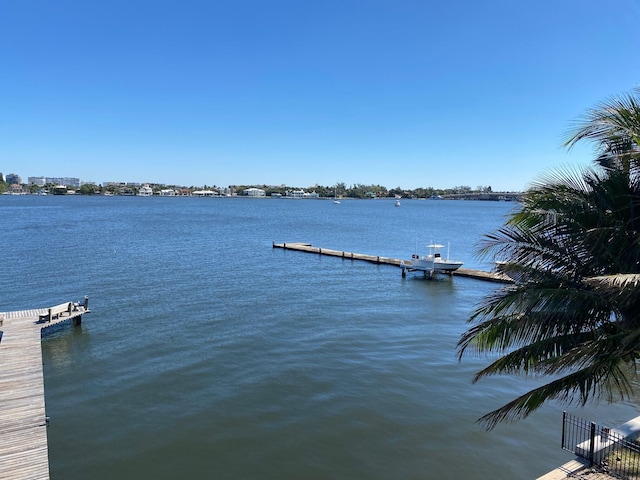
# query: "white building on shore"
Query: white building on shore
{"points": [[302, 194], [205, 193], [145, 191], [66, 181], [255, 192]]}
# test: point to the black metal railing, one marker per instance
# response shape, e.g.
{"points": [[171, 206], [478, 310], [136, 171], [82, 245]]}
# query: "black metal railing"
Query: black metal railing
{"points": [[614, 453]]}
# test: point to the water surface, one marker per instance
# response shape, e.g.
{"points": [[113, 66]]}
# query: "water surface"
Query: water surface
{"points": [[209, 354]]}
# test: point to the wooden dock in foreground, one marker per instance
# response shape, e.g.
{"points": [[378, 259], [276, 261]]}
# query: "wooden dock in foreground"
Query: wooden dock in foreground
{"points": [[24, 452], [461, 272]]}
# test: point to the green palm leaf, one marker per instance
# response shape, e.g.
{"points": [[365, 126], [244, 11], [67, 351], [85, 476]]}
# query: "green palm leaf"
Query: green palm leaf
{"points": [[574, 249]]}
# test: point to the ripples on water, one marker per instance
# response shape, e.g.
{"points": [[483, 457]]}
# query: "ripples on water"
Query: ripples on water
{"points": [[209, 354]]}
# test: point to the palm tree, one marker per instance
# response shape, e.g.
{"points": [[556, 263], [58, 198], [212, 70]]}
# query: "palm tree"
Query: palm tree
{"points": [[574, 247]]}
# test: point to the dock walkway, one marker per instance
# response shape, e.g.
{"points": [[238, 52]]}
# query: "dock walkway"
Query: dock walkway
{"points": [[23, 420], [462, 272]]}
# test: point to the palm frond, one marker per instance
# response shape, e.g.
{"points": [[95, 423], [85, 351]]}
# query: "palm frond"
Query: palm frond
{"points": [[580, 386], [573, 248]]}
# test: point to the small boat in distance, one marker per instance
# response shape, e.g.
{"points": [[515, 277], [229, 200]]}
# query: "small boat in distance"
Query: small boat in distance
{"points": [[433, 261]]}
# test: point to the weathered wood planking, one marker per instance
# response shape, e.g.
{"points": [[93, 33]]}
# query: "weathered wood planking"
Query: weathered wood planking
{"points": [[23, 421], [463, 272]]}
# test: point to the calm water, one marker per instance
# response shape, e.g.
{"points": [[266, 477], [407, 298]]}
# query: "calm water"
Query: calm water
{"points": [[211, 355]]}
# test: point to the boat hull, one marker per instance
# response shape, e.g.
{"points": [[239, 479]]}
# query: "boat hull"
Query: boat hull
{"points": [[426, 264]]}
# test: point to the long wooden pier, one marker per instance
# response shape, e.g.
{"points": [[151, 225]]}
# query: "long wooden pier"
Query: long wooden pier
{"points": [[24, 452], [462, 272]]}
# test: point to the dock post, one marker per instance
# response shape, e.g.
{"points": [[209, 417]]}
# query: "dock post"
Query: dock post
{"points": [[86, 302], [404, 272], [77, 320]]}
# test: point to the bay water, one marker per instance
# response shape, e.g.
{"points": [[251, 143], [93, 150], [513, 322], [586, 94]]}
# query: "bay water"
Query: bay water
{"points": [[210, 354]]}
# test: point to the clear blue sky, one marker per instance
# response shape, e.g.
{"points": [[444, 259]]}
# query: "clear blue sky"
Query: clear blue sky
{"points": [[391, 92]]}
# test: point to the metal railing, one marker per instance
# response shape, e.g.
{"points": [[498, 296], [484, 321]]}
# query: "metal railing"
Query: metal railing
{"points": [[615, 454]]}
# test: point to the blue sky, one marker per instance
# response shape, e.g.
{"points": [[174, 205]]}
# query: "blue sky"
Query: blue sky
{"points": [[298, 92]]}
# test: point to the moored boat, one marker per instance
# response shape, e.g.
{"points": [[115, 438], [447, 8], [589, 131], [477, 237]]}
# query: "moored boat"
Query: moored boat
{"points": [[433, 261]]}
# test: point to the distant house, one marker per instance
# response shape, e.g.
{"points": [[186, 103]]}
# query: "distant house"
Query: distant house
{"points": [[145, 191], [168, 192], [255, 192], [16, 189], [205, 193], [302, 194]]}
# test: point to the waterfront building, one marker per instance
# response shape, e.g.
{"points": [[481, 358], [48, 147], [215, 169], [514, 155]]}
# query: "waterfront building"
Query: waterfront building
{"points": [[205, 193], [302, 194], [255, 192], [145, 191]]}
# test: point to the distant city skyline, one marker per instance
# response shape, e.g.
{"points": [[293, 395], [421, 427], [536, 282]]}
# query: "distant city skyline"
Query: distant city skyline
{"points": [[397, 93]]}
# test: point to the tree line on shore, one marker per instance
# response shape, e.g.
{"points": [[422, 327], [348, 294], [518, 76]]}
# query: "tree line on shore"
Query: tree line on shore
{"points": [[340, 189]]}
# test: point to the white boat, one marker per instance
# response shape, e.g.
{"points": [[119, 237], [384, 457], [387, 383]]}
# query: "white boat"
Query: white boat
{"points": [[433, 261], [397, 203], [335, 197]]}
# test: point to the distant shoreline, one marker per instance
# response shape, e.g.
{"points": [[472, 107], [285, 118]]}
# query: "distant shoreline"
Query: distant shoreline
{"points": [[495, 197]]}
